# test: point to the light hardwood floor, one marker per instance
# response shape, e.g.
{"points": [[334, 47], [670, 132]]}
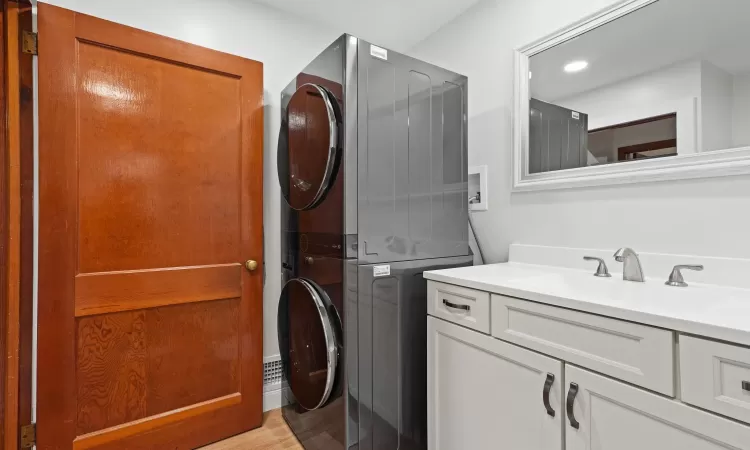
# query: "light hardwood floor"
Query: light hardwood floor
{"points": [[273, 435]]}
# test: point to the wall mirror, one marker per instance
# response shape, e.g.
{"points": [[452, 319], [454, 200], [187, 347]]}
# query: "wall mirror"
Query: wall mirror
{"points": [[645, 90]]}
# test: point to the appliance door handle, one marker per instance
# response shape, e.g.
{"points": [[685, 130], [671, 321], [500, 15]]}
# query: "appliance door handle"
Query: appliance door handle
{"points": [[545, 394], [466, 308], [572, 392], [331, 158], [330, 341]]}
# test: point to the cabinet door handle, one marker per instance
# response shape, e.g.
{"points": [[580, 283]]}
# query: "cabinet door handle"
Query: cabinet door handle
{"points": [[746, 386], [466, 308], [572, 392], [545, 394]]}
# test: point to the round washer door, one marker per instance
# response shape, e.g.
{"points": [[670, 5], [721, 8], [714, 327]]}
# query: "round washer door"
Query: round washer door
{"points": [[309, 146], [307, 342]]}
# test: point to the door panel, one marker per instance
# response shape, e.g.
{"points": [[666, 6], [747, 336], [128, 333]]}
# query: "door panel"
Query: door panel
{"points": [[136, 354], [485, 394], [98, 293], [615, 416], [150, 202], [144, 168]]}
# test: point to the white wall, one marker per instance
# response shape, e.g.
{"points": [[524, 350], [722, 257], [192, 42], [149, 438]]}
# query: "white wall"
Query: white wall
{"points": [[284, 44], [717, 88], [741, 111], [701, 217]]}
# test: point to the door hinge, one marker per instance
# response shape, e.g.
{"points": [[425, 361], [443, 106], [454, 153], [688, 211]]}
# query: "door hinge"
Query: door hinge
{"points": [[30, 43], [28, 435]]}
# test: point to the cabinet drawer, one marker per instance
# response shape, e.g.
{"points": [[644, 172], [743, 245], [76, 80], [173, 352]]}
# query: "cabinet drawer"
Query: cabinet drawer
{"points": [[459, 305], [638, 354], [715, 376]]}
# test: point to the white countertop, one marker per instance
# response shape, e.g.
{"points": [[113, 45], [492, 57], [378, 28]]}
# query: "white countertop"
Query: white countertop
{"points": [[707, 310]]}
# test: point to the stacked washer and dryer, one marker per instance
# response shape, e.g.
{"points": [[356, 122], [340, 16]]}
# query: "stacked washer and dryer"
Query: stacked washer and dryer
{"points": [[372, 164]]}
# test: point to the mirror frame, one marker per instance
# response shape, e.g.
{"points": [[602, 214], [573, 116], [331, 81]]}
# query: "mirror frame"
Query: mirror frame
{"points": [[690, 165]]}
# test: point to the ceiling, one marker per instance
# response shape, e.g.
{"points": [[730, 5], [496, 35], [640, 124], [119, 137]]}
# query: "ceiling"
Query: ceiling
{"points": [[396, 24], [656, 36]]}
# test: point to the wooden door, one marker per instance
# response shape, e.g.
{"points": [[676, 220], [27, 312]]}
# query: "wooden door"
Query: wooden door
{"points": [[483, 393], [150, 166], [615, 416]]}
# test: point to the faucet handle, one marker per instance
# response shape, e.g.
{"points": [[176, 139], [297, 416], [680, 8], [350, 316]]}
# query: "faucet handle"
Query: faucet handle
{"points": [[675, 278], [601, 271]]}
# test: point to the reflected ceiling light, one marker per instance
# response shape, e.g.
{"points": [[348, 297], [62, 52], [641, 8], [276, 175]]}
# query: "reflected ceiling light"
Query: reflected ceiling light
{"points": [[576, 66]]}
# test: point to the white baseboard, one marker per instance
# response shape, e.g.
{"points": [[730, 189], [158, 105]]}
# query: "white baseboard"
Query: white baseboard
{"points": [[273, 400]]}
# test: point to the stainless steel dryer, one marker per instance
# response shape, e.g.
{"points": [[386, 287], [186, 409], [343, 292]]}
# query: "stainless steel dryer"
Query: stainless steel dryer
{"points": [[373, 169]]}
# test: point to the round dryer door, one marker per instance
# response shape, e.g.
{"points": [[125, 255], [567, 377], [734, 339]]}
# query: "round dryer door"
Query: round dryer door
{"points": [[309, 146], [307, 342]]}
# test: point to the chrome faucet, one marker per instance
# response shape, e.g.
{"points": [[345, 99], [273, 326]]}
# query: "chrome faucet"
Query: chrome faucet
{"points": [[631, 270]]}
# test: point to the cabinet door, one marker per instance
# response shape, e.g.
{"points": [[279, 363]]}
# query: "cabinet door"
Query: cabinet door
{"points": [[615, 416], [487, 394]]}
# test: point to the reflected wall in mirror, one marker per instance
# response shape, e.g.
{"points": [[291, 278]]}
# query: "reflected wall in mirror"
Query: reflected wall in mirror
{"points": [[665, 78]]}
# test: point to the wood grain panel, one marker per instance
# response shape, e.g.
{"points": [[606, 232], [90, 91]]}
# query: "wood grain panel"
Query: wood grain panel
{"points": [[151, 181], [13, 248], [109, 292], [112, 359], [16, 231], [4, 236], [115, 434], [137, 364], [92, 29], [58, 197], [21, 11], [195, 343]]}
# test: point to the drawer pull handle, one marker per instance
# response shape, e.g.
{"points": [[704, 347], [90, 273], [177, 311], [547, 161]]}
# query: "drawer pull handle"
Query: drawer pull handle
{"points": [[572, 392], [466, 308], [545, 394], [746, 386]]}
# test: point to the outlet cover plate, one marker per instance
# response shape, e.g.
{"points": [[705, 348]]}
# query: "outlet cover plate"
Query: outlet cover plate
{"points": [[478, 179]]}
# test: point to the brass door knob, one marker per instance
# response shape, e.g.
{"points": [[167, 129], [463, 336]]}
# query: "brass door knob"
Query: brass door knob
{"points": [[309, 260], [251, 265]]}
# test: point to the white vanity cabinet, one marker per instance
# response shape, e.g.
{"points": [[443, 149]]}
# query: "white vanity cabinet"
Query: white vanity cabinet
{"points": [[484, 393], [519, 374]]}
